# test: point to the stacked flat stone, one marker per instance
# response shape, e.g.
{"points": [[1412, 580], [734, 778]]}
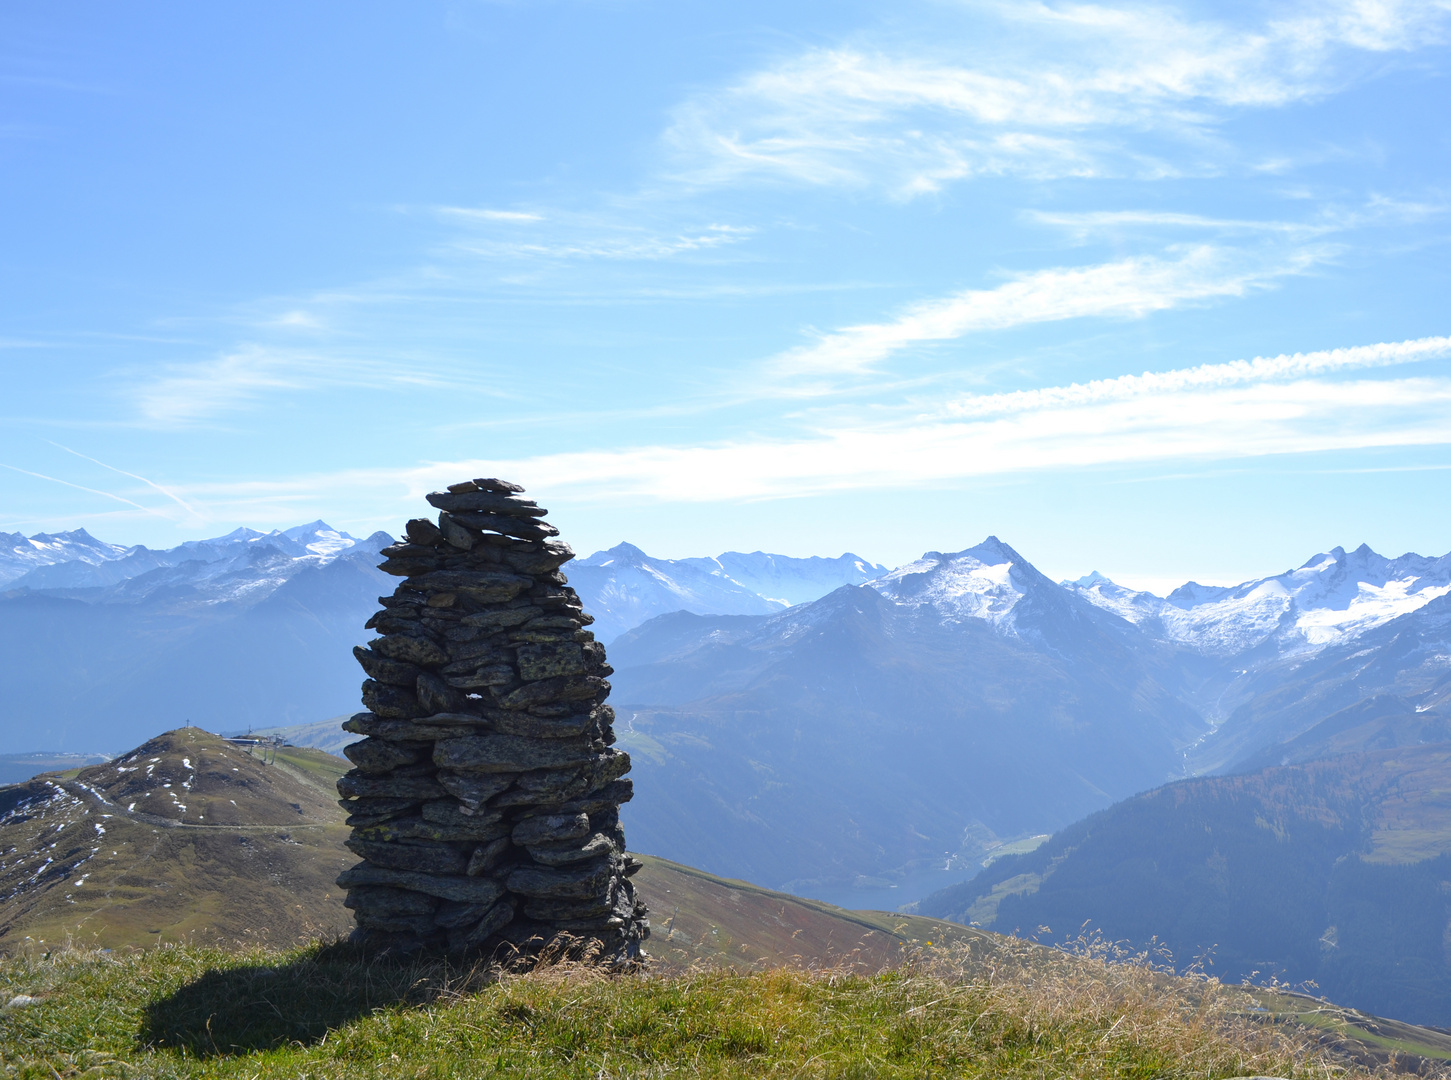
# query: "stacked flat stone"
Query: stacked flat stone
{"points": [[486, 795]]}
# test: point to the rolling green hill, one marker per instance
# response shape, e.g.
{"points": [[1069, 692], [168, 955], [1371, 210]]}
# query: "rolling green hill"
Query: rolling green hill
{"points": [[1335, 871]]}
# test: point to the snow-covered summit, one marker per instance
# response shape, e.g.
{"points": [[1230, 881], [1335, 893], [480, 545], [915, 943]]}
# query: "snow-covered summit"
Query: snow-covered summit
{"points": [[242, 565], [984, 582], [19, 554], [1335, 596]]}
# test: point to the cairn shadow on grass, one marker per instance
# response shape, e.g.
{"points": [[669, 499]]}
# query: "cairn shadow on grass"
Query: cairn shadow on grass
{"points": [[241, 1010]]}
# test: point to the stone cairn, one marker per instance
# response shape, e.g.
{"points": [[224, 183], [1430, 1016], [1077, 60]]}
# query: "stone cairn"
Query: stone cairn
{"points": [[485, 802]]}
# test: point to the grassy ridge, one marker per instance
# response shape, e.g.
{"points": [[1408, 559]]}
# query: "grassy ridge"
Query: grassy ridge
{"points": [[988, 1008], [700, 918]]}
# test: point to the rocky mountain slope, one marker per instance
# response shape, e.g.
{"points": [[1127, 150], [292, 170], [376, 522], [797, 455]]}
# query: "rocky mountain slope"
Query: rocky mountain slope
{"points": [[1334, 871]]}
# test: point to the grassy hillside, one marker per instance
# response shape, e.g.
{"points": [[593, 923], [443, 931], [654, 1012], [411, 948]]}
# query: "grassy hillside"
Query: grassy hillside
{"points": [[186, 837], [1333, 871], [190, 837], [987, 1008]]}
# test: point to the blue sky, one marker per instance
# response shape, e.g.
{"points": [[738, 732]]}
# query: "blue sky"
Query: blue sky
{"points": [[1158, 290]]}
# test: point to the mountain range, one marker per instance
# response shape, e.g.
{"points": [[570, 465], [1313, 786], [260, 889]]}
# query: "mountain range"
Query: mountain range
{"points": [[101, 644], [816, 724]]}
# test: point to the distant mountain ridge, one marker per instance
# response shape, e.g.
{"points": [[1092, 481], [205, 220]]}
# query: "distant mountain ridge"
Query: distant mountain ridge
{"points": [[1332, 598], [100, 643], [624, 587], [244, 564]]}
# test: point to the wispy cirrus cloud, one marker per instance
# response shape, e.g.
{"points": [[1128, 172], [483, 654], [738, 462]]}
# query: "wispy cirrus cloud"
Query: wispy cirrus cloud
{"points": [[1058, 92], [181, 395], [1125, 288], [583, 237]]}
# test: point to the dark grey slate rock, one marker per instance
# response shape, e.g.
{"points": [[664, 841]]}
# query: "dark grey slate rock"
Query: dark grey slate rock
{"points": [[423, 858], [410, 649], [486, 502], [480, 586], [383, 900], [487, 856], [469, 890], [390, 787], [475, 789], [498, 917], [435, 695], [551, 660], [545, 691], [495, 752], [584, 881], [376, 756], [595, 846], [551, 828], [506, 525], [393, 672], [483, 828], [390, 702]]}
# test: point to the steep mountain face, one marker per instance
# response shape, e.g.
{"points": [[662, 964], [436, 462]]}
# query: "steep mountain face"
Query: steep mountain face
{"points": [[1334, 871], [187, 835], [883, 729], [257, 635]]}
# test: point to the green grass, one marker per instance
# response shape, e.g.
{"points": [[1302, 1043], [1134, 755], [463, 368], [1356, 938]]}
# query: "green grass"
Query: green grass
{"points": [[323, 1012]]}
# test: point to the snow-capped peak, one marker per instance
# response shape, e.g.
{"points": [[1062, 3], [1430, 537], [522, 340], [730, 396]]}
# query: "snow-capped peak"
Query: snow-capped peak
{"points": [[622, 554], [320, 538], [983, 582], [1334, 596], [19, 554]]}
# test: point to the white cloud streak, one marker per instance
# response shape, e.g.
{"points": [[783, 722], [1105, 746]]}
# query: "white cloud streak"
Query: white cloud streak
{"points": [[517, 217], [1128, 288], [1290, 404]]}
